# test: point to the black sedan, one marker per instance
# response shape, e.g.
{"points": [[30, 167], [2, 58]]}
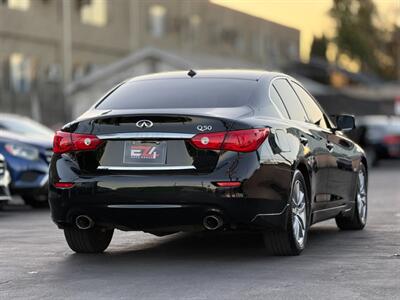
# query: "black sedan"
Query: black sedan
{"points": [[207, 150], [379, 135]]}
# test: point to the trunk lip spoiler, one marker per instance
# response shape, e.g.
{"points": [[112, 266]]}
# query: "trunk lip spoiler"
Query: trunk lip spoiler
{"points": [[146, 135]]}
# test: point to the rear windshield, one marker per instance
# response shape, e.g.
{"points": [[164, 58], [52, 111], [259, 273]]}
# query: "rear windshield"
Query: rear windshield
{"points": [[180, 93]]}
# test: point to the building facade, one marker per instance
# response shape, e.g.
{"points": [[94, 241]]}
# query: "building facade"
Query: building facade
{"points": [[33, 41]]}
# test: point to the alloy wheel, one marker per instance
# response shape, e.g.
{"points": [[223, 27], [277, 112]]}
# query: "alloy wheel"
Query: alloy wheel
{"points": [[299, 213], [361, 200]]}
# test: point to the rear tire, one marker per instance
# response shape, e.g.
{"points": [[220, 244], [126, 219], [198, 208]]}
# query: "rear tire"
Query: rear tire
{"points": [[292, 241], [94, 240], [358, 217], [3, 204]]}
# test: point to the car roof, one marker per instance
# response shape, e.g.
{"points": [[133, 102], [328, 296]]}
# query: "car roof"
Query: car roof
{"points": [[222, 74], [379, 119], [13, 116]]}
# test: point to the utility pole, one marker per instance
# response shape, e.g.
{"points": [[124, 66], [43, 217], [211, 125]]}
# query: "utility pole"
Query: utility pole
{"points": [[66, 49], [134, 25]]}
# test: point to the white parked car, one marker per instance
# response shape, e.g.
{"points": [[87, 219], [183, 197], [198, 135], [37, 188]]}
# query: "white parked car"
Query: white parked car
{"points": [[4, 182]]}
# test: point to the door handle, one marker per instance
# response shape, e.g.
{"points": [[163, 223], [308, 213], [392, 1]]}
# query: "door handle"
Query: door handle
{"points": [[330, 146], [303, 140]]}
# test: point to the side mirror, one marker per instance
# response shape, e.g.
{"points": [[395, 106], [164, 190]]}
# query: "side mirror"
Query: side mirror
{"points": [[345, 122]]}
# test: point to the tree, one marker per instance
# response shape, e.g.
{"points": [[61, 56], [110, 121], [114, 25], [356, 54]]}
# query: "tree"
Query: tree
{"points": [[356, 34], [392, 68], [318, 47]]}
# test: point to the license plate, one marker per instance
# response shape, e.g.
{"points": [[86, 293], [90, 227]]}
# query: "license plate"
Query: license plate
{"points": [[136, 152]]}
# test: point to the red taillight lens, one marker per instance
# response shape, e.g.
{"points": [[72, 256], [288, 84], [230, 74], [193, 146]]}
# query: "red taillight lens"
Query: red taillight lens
{"points": [[209, 141], [67, 142], [227, 183], [245, 140], [238, 140], [64, 185], [62, 142], [391, 139]]}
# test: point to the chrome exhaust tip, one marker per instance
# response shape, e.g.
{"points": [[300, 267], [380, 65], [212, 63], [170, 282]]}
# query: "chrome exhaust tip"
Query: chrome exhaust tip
{"points": [[84, 222], [212, 222]]}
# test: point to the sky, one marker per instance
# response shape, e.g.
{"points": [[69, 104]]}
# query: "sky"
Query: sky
{"points": [[309, 16]]}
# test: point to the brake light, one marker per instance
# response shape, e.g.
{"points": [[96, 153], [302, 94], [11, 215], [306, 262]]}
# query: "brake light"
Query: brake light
{"points": [[64, 185], [391, 139], [209, 141], [227, 183], [238, 140], [68, 142]]}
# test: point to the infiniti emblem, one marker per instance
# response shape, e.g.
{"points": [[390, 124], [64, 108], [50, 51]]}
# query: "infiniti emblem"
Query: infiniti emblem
{"points": [[144, 124]]}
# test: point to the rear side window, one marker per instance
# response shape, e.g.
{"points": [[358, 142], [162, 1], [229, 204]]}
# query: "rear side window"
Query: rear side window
{"points": [[290, 99], [180, 93], [314, 113], [276, 99]]}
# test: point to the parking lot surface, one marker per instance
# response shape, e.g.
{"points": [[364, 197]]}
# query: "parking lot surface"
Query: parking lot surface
{"points": [[36, 263]]}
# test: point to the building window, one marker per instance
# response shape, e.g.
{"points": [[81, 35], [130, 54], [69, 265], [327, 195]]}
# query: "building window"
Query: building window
{"points": [[157, 20], [229, 37], [94, 12], [17, 4], [21, 72], [195, 22]]}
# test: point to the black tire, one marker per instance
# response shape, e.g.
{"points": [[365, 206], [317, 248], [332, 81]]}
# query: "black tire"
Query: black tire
{"points": [[3, 204], [36, 201], [354, 221], [94, 240], [284, 243]]}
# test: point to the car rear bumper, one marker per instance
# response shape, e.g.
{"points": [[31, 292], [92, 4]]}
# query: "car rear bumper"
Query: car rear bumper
{"points": [[163, 216], [127, 204], [140, 200]]}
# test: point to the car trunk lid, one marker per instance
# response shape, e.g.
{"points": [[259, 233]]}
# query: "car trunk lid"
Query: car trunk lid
{"points": [[149, 142]]}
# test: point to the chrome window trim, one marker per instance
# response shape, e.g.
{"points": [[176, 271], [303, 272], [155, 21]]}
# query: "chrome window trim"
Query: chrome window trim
{"points": [[152, 168], [145, 135]]}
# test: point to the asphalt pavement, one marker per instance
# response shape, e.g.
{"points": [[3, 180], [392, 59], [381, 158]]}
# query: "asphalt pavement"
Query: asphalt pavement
{"points": [[35, 262]]}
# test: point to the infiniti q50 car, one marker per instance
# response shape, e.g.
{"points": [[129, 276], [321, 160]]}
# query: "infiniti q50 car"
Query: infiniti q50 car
{"points": [[207, 150]]}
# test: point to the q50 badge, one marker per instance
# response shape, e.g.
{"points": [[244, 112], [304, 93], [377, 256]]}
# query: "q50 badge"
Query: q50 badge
{"points": [[204, 128]]}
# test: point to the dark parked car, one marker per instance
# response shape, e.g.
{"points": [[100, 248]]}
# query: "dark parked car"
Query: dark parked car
{"points": [[4, 182], [27, 147], [380, 137], [213, 150]]}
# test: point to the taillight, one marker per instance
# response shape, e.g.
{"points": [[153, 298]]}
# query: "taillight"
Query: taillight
{"points": [[68, 142], [209, 141], [238, 140], [64, 185], [227, 183], [391, 139], [245, 140]]}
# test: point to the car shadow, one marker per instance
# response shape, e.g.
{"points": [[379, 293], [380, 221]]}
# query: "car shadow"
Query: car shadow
{"points": [[387, 164], [209, 247], [20, 210]]}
